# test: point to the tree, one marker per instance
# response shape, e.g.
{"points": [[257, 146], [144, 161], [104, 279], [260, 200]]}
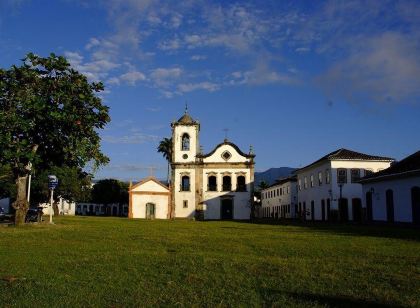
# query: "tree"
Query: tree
{"points": [[49, 116], [74, 185], [7, 189], [165, 147], [110, 191], [263, 185]]}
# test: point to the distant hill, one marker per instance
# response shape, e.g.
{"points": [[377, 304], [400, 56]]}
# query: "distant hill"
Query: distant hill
{"points": [[272, 174]]}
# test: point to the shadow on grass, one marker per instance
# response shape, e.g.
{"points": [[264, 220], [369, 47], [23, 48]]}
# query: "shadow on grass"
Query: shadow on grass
{"points": [[270, 297], [403, 231]]}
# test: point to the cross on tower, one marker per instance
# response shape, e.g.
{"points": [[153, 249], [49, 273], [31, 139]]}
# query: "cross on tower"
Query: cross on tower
{"points": [[226, 130], [151, 170]]}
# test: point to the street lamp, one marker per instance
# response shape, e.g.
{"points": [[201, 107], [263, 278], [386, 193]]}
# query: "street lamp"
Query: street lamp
{"points": [[52, 184]]}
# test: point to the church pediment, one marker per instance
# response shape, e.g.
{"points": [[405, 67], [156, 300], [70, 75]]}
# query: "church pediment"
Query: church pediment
{"points": [[227, 152], [149, 184]]}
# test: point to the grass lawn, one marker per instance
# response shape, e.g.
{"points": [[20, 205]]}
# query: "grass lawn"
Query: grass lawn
{"points": [[115, 262]]}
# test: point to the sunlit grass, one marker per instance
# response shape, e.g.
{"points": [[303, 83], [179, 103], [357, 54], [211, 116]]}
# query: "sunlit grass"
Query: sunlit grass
{"points": [[115, 262]]}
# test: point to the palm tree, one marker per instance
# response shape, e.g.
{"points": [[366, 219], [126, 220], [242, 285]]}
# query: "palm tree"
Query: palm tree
{"points": [[165, 147]]}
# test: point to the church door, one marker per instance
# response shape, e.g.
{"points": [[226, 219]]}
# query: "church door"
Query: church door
{"points": [[227, 209], [150, 210]]}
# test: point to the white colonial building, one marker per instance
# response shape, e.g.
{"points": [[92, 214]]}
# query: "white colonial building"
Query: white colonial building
{"points": [[280, 199], [217, 185], [329, 188], [64, 207], [149, 199], [393, 195]]}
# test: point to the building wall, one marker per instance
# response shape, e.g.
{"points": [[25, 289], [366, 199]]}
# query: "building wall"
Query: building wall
{"points": [[213, 199], [181, 196], [317, 192], [279, 201], [97, 209], [149, 191], [402, 198], [139, 205], [216, 157], [178, 132], [331, 191], [65, 207]]}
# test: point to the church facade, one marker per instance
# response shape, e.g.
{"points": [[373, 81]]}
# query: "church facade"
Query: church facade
{"points": [[216, 185]]}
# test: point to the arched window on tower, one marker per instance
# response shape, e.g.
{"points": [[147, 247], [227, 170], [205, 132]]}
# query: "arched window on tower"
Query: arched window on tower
{"points": [[185, 146], [185, 183]]}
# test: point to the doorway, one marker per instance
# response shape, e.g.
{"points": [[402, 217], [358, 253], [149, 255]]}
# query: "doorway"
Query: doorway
{"points": [[389, 198], [369, 209], [150, 210], [357, 209], [343, 208], [415, 204], [227, 209]]}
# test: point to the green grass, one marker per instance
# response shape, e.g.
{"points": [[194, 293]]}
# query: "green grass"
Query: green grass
{"points": [[115, 262]]}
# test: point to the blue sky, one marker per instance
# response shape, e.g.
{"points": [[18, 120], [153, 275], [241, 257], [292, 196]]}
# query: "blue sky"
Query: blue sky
{"points": [[295, 79]]}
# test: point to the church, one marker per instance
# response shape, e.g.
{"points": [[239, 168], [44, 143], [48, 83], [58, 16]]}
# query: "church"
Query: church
{"points": [[204, 186]]}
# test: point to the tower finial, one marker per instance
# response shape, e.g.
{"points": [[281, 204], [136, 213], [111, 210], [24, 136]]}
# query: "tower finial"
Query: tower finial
{"points": [[186, 107]]}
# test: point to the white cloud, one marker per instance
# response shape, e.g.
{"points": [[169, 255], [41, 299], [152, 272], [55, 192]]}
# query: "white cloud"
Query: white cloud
{"points": [[132, 77], [135, 138], [189, 87], [198, 57], [163, 77], [170, 44], [92, 43], [384, 68]]}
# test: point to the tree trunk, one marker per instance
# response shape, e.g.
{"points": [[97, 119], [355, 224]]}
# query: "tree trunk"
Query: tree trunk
{"points": [[21, 205], [55, 208]]}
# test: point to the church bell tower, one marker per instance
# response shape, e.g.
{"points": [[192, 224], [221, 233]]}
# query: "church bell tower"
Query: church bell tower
{"points": [[185, 139]]}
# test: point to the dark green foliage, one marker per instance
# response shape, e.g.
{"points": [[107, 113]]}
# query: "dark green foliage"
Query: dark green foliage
{"points": [[165, 147], [49, 116], [46, 103], [115, 262], [7, 186], [262, 185], [110, 191], [74, 185]]}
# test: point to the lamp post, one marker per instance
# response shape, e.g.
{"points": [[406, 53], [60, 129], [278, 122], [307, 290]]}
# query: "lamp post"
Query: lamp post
{"points": [[52, 184]]}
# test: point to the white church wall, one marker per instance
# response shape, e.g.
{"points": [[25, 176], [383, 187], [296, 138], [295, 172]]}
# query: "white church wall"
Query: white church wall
{"points": [[150, 186], [213, 199], [192, 131], [180, 196], [139, 202]]}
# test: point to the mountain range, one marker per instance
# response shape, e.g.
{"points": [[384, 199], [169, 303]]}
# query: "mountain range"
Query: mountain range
{"points": [[272, 174]]}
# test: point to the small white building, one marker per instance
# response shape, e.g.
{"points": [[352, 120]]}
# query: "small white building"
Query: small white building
{"points": [[97, 209], [280, 199], [393, 195], [149, 199], [64, 207], [329, 188]]}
